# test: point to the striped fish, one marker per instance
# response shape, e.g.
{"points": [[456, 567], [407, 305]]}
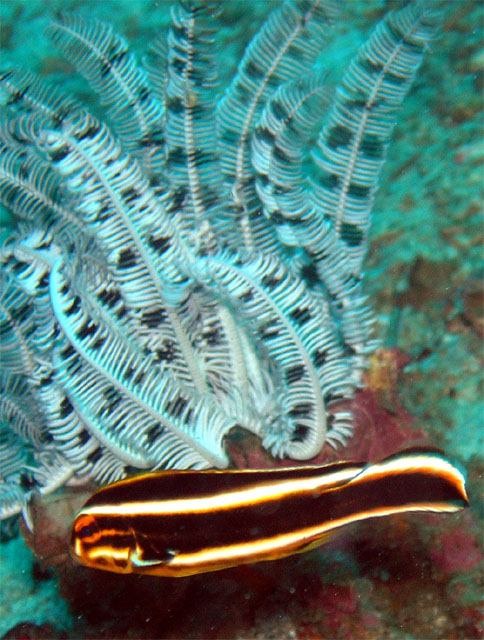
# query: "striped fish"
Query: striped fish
{"points": [[178, 523]]}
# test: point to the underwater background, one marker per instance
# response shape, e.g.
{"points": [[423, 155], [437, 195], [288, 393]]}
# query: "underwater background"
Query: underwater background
{"points": [[411, 577]]}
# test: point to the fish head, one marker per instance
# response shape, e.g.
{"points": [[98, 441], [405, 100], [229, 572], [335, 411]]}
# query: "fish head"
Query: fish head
{"points": [[98, 543]]}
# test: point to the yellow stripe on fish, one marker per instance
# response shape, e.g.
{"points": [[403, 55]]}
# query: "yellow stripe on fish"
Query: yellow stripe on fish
{"points": [[178, 523]]}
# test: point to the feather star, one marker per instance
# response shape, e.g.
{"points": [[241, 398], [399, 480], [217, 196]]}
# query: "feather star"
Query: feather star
{"points": [[193, 260]]}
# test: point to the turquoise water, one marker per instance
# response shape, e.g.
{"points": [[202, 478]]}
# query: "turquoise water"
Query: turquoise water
{"points": [[424, 276]]}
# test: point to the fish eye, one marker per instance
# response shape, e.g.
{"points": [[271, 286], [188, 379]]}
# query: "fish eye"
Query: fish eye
{"points": [[86, 531], [85, 528]]}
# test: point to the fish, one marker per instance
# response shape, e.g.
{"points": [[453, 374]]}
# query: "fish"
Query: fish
{"points": [[179, 523]]}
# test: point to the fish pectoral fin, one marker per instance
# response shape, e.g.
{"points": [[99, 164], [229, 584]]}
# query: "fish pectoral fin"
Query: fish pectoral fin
{"points": [[138, 559]]}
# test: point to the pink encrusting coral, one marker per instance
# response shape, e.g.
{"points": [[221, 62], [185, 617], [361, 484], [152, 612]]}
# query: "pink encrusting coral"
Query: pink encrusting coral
{"points": [[457, 549]]}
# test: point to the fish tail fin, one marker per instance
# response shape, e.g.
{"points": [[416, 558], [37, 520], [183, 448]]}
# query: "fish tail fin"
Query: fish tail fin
{"points": [[413, 480]]}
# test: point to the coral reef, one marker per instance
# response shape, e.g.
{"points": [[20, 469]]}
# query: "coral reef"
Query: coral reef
{"points": [[367, 582], [427, 218]]}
